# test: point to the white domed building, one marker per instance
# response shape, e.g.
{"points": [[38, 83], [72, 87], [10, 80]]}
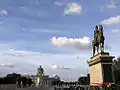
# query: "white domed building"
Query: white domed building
{"points": [[45, 79]]}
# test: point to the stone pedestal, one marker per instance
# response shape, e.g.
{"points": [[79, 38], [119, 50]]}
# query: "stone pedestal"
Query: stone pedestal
{"points": [[100, 67]]}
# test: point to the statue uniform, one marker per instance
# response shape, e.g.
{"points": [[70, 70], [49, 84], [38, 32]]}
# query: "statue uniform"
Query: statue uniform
{"points": [[96, 32]]}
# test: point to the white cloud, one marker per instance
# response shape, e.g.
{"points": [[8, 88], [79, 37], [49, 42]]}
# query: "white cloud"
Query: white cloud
{"points": [[73, 8], [44, 30], [7, 65], [116, 30], [68, 75], [25, 8], [54, 66], [112, 4], [3, 12], [20, 61], [60, 67], [78, 43], [59, 3], [111, 20], [26, 57]]}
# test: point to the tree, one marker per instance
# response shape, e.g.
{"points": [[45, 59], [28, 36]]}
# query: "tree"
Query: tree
{"points": [[11, 78], [83, 80], [116, 70], [1, 80], [24, 81], [30, 81]]}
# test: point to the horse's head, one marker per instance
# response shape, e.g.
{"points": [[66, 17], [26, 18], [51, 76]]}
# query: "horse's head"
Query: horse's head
{"points": [[100, 28], [96, 27]]}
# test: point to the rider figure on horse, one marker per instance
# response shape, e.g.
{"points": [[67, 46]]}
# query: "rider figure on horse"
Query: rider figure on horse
{"points": [[98, 39], [96, 32]]}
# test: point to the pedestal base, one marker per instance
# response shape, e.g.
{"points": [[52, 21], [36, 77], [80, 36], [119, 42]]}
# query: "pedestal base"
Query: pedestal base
{"points": [[100, 67]]}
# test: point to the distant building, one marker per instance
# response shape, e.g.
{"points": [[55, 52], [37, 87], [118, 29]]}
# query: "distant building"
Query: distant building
{"points": [[48, 80], [44, 80]]}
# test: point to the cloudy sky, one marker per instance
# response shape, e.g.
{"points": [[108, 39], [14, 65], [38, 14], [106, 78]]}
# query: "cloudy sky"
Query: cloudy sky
{"points": [[56, 34]]}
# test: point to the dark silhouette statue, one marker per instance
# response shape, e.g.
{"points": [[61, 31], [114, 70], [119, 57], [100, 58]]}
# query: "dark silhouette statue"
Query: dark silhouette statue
{"points": [[98, 40]]}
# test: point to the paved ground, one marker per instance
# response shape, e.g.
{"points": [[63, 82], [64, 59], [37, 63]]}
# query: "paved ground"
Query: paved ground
{"points": [[13, 87], [8, 87]]}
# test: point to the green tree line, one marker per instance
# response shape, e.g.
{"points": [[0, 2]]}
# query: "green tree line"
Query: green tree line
{"points": [[13, 78], [116, 70]]}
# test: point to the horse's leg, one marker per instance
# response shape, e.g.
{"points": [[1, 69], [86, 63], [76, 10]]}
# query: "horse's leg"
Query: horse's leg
{"points": [[93, 50], [102, 47], [98, 49], [93, 45]]}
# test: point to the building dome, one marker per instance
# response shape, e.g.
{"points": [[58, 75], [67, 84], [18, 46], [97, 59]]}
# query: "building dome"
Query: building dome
{"points": [[56, 76]]}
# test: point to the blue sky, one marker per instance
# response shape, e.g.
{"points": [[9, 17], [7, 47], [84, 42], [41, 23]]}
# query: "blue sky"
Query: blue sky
{"points": [[55, 33]]}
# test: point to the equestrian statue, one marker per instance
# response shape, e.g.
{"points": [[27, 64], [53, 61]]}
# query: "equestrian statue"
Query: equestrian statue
{"points": [[40, 74], [98, 41]]}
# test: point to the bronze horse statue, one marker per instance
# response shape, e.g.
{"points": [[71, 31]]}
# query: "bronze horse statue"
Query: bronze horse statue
{"points": [[98, 39]]}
